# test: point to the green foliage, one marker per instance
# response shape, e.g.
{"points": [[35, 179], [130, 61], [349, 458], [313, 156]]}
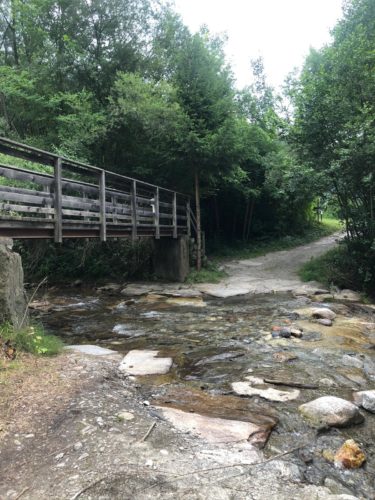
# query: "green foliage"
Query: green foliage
{"points": [[32, 339], [119, 260], [333, 130], [210, 273]]}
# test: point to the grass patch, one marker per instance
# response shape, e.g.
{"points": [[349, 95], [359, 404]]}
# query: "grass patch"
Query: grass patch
{"points": [[260, 247], [208, 274], [336, 267], [32, 339]]}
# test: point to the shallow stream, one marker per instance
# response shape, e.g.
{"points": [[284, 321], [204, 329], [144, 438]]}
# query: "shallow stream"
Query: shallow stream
{"points": [[214, 342]]}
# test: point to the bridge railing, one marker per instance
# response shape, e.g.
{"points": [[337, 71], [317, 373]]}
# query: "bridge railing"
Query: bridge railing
{"points": [[55, 197]]}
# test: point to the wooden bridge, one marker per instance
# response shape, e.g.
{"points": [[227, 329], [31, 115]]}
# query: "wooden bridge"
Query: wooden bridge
{"points": [[54, 197]]}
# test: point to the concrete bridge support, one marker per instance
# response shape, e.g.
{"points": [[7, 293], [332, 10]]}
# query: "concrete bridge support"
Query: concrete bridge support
{"points": [[171, 258], [12, 294]]}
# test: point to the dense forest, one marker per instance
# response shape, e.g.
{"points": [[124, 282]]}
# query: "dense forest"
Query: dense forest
{"points": [[124, 85]]}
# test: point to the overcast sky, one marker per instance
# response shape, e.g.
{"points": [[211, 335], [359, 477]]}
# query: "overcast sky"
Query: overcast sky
{"points": [[282, 31]]}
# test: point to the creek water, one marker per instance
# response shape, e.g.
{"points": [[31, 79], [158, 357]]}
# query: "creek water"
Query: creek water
{"points": [[214, 342]]}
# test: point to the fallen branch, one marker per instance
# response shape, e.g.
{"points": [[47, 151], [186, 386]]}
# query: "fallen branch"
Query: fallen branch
{"points": [[88, 487], [44, 280], [153, 425], [290, 383], [22, 493]]}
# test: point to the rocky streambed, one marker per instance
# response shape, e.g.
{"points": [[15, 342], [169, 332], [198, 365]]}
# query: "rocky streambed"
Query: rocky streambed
{"points": [[243, 369]]}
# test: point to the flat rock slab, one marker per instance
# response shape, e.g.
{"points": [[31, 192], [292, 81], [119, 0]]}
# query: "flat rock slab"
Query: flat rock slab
{"points": [[331, 411], [214, 430], [139, 362], [246, 389], [93, 350]]}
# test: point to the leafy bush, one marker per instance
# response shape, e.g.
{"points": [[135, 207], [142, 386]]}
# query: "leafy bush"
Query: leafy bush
{"points": [[32, 339], [345, 266]]}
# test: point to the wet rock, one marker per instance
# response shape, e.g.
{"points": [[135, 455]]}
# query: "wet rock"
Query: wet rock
{"points": [[330, 411], [335, 487], [349, 456], [139, 362], [348, 295], [110, 288], [284, 356], [312, 336], [220, 357], [366, 399], [296, 332], [324, 322], [327, 382], [216, 430], [323, 312], [353, 361], [246, 389], [285, 333]]}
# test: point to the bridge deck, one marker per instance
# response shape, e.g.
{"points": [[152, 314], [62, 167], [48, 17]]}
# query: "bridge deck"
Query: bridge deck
{"points": [[58, 198]]}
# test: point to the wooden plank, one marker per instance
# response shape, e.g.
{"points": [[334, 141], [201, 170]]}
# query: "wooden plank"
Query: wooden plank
{"points": [[24, 198], [26, 208], [157, 210], [21, 174], [58, 201], [103, 234], [134, 210]]}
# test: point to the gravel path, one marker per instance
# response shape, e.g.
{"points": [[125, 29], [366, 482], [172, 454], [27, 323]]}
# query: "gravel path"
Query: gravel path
{"points": [[273, 272]]}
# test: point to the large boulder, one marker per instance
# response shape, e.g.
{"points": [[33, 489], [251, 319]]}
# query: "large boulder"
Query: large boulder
{"points": [[331, 411], [12, 295], [323, 313]]}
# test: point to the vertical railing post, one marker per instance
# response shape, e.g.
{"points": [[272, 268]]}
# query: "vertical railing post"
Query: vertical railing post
{"points": [[134, 209], [58, 200], [174, 219], [102, 203], [188, 220], [157, 214]]}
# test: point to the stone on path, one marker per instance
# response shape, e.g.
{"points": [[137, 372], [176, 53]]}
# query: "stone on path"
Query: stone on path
{"points": [[366, 399], [330, 411], [94, 350], [139, 362], [323, 313], [215, 430], [246, 389]]}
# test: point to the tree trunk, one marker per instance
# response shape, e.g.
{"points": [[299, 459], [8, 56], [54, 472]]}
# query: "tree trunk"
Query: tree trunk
{"points": [[217, 214], [250, 219], [245, 220], [199, 232]]}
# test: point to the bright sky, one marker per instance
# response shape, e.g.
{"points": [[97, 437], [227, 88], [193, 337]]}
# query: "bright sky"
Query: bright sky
{"points": [[282, 31]]}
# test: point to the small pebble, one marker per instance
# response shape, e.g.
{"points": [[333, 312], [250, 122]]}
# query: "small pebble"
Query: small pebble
{"points": [[59, 456], [78, 446]]}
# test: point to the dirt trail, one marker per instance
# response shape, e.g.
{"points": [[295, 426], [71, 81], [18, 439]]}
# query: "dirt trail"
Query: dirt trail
{"points": [[273, 272]]}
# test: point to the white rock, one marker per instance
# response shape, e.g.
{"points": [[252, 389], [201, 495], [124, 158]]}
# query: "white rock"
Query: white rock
{"points": [[331, 411], [246, 389], [59, 456], [366, 399], [139, 362], [77, 446], [323, 312]]}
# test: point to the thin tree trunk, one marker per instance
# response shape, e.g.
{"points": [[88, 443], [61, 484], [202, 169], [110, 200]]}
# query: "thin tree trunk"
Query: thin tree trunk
{"points": [[14, 35], [245, 220], [250, 220], [198, 209], [217, 214]]}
